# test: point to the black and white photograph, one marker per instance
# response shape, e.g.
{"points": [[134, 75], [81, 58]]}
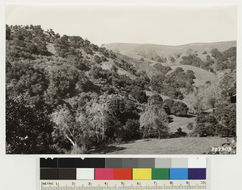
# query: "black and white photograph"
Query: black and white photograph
{"points": [[121, 79]]}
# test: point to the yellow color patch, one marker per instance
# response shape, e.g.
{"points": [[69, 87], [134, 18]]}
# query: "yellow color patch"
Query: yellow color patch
{"points": [[141, 173]]}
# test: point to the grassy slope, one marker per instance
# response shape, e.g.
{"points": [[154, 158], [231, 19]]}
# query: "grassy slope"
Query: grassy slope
{"points": [[180, 122], [151, 50], [140, 65], [192, 145], [201, 75]]}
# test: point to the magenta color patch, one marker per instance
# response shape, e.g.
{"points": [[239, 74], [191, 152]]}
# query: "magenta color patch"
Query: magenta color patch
{"points": [[103, 173]]}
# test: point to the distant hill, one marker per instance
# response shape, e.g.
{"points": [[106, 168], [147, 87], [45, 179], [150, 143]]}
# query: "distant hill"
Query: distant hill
{"points": [[155, 52], [145, 56], [201, 75]]}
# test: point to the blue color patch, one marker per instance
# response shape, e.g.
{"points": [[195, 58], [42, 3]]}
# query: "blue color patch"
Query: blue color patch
{"points": [[178, 173]]}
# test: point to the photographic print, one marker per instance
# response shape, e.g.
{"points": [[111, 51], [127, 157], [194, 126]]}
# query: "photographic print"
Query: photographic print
{"points": [[121, 79]]}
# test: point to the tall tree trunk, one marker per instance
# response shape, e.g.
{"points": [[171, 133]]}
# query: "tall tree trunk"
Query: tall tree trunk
{"points": [[71, 141]]}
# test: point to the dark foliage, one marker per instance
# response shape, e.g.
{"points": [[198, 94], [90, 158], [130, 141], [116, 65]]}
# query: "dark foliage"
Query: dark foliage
{"points": [[28, 129], [131, 130], [171, 83], [178, 133], [25, 42], [161, 68], [155, 100], [206, 125], [126, 66], [97, 59], [191, 60], [175, 107], [122, 114], [226, 117], [139, 95]]}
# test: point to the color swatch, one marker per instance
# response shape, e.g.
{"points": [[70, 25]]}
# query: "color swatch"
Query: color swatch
{"points": [[85, 173], [123, 169], [160, 173], [104, 173], [197, 173], [178, 173], [142, 174], [122, 173]]}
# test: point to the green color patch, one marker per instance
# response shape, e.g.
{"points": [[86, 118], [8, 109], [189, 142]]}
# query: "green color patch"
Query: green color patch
{"points": [[160, 173]]}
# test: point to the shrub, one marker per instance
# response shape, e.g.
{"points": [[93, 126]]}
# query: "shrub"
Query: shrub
{"points": [[191, 60], [114, 69], [226, 114], [179, 109], [172, 59], [97, 59], [161, 68], [175, 107], [104, 58], [206, 125], [190, 126], [131, 130], [113, 55], [216, 54], [178, 133], [139, 95], [88, 50], [126, 66], [104, 51], [172, 92], [155, 100]]}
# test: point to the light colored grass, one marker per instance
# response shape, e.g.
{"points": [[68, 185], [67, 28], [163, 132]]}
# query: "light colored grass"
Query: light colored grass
{"points": [[201, 75], [51, 48], [181, 122], [188, 145], [152, 50]]}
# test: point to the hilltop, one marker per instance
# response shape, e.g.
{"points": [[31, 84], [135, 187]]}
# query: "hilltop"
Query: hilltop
{"points": [[156, 52]]}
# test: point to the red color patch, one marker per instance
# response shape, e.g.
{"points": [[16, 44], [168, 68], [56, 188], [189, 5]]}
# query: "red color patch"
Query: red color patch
{"points": [[122, 173]]}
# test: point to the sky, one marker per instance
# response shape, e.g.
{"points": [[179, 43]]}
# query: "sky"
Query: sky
{"points": [[148, 24]]}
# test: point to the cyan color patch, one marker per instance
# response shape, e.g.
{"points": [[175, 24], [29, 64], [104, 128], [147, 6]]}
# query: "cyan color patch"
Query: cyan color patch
{"points": [[178, 173]]}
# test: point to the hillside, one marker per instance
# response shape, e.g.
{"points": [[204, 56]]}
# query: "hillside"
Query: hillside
{"points": [[201, 58], [201, 75], [154, 52]]}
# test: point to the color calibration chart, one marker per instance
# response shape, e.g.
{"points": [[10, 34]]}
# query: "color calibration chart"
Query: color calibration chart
{"points": [[122, 173]]}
